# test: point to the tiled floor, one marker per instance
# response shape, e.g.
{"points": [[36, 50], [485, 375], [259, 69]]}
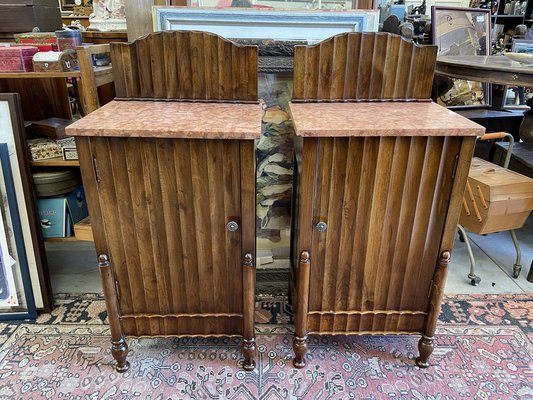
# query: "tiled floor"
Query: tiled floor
{"points": [[73, 266]]}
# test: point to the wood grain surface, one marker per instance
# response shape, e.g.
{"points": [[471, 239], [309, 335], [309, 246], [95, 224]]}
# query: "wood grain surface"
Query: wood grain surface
{"points": [[393, 193], [185, 65], [389, 202], [154, 193], [363, 66]]}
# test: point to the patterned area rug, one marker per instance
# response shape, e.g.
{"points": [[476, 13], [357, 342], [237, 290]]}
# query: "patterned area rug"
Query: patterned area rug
{"points": [[484, 350]]}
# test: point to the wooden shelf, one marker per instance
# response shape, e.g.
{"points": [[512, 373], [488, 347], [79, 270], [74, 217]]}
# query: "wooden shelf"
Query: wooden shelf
{"points": [[25, 75], [63, 239], [55, 162], [102, 74], [508, 16]]}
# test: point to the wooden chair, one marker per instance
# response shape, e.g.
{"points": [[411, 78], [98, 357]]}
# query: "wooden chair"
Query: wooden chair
{"points": [[92, 77]]}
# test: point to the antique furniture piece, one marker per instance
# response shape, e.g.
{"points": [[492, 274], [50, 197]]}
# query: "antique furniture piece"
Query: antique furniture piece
{"points": [[171, 188], [496, 199], [380, 173], [492, 69], [274, 153], [25, 15], [55, 61]]}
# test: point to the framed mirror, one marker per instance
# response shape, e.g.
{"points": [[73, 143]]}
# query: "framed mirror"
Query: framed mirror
{"points": [[461, 32]]}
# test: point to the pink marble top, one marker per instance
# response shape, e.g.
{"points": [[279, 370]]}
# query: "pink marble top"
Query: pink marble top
{"points": [[161, 119], [379, 119]]}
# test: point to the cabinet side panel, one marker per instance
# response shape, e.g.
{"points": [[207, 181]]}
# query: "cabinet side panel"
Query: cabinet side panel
{"points": [[117, 223], [165, 207], [385, 202], [90, 186], [248, 229]]}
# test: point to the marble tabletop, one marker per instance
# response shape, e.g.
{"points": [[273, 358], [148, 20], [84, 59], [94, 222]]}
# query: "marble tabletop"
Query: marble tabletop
{"points": [[493, 69], [169, 119], [380, 119]]}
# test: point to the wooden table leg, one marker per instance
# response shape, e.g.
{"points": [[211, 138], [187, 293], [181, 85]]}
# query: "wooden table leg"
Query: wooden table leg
{"points": [[299, 343], [119, 347], [426, 343]]}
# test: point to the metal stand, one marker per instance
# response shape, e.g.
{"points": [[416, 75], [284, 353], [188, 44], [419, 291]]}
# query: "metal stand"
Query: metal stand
{"points": [[517, 267]]}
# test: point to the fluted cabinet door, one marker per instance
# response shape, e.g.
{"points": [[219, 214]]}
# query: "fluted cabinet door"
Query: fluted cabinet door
{"points": [[382, 202], [165, 206]]}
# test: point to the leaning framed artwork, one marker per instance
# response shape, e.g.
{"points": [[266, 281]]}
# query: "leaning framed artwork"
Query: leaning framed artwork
{"points": [[461, 32], [12, 133], [16, 295]]}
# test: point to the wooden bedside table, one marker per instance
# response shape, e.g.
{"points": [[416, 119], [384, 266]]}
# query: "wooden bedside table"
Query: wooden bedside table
{"points": [[380, 176], [171, 191]]}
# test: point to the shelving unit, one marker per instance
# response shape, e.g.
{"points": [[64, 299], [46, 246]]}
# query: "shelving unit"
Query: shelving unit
{"points": [[510, 21], [89, 80], [102, 74], [55, 162]]}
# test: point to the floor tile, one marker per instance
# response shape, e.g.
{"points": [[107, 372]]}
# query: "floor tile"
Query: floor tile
{"points": [[493, 279]]}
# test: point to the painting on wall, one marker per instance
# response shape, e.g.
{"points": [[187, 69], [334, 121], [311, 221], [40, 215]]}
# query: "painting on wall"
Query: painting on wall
{"points": [[461, 32]]}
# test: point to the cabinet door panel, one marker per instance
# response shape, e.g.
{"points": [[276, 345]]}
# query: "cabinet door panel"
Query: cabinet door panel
{"points": [[384, 201], [165, 205]]}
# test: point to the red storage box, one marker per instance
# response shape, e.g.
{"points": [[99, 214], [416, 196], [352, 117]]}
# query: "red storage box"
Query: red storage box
{"points": [[45, 41], [17, 58]]}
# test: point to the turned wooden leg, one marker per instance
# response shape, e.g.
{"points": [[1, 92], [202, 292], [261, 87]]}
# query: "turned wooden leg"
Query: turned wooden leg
{"points": [[119, 347], [299, 344], [119, 350], [248, 342], [248, 350], [426, 343], [425, 347]]}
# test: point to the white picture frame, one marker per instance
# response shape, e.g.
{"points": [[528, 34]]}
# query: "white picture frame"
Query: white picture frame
{"points": [[311, 26]]}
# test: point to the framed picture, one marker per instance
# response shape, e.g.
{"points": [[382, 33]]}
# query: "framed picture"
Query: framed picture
{"points": [[16, 295], [12, 133], [461, 32], [260, 24], [517, 97]]}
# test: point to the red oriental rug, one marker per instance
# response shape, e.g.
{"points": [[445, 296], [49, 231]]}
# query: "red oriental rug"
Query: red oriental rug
{"points": [[484, 351]]}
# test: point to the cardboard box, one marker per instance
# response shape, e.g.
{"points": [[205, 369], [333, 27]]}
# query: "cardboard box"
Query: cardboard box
{"points": [[59, 214], [83, 230]]}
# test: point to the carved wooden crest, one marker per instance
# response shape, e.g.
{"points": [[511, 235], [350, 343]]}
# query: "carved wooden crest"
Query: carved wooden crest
{"points": [[363, 66], [185, 65]]}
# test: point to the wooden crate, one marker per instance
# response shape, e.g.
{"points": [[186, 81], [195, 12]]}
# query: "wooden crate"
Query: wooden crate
{"points": [[496, 199], [83, 230]]}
